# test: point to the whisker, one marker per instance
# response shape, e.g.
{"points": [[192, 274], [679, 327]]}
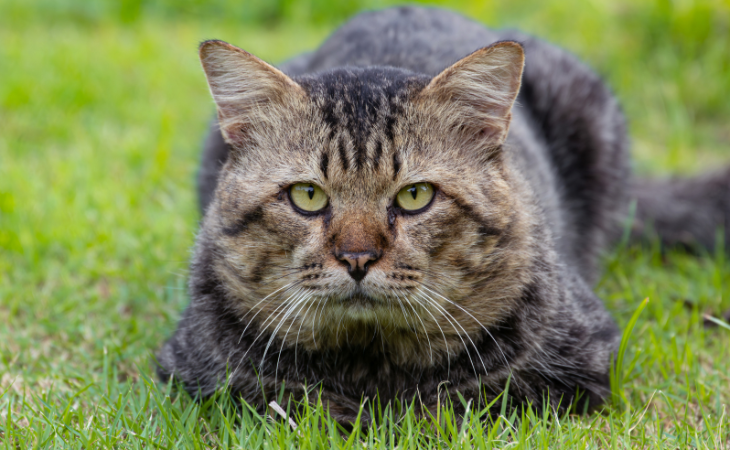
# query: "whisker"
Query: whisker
{"points": [[324, 303], [479, 323], [280, 322], [473, 344], [443, 335], [283, 341], [405, 315], [274, 314], [286, 274], [445, 314], [423, 325], [301, 323], [285, 287], [381, 334], [439, 277]]}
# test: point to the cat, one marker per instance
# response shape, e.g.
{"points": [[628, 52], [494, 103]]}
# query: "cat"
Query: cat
{"points": [[416, 209]]}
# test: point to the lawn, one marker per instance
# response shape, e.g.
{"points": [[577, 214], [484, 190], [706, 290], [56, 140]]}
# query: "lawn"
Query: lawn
{"points": [[103, 107]]}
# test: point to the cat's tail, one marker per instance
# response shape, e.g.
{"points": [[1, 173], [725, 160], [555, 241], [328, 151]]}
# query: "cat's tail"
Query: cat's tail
{"points": [[682, 212]]}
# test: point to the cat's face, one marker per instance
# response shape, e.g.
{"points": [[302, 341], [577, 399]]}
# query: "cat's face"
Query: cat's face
{"points": [[367, 202]]}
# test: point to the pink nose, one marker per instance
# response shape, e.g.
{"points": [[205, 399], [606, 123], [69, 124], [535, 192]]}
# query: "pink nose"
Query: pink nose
{"points": [[357, 263]]}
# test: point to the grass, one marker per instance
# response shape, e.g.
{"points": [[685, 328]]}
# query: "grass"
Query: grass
{"points": [[101, 117]]}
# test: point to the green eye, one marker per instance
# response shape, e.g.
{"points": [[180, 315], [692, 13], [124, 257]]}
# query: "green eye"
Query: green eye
{"points": [[415, 196], [308, 197]]}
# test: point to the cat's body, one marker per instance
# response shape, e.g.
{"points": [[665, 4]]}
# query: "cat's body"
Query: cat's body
{"points": [[490, 281]]}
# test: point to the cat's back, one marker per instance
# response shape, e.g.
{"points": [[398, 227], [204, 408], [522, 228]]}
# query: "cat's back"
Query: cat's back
{"points": [[422, 40]]}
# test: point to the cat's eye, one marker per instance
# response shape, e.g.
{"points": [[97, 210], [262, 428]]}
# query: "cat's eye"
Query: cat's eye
{"points": [[415, 196], [308, 197]]}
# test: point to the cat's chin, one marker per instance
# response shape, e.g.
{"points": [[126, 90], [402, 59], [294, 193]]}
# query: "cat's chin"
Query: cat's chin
{"points": [[360, 300], [362, 307]]}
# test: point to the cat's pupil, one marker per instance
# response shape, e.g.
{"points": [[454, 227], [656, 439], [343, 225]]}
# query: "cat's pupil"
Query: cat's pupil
{"points": [[413, 191], [310, 191]]}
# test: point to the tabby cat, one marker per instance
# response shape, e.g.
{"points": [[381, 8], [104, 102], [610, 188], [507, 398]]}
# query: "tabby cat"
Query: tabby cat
{"points": [[415, 209]]}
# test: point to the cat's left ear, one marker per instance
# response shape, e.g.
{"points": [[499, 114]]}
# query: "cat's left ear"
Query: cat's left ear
{"points": [[477, 92], [248, 91]]}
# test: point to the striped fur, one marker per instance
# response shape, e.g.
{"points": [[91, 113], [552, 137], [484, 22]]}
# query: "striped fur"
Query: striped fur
{"points": [[490, 282]]}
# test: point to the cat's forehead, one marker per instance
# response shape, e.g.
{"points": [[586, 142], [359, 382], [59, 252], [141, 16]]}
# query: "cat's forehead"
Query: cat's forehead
{"points": [[362, 101], [359, 111], [363, 88]]}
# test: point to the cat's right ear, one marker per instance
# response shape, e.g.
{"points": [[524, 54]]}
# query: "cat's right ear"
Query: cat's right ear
{"points": [[246, 89]]}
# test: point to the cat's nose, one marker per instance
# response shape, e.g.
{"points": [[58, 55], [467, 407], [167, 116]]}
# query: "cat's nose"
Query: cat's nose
{"points": [[357, 263]]}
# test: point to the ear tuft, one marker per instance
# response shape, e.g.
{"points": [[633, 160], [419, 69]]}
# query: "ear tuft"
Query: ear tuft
{"points": [[243, 86], [480, 89]]}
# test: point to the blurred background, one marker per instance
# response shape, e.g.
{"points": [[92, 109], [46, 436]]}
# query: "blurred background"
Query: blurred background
{"points": [[103, 107]]}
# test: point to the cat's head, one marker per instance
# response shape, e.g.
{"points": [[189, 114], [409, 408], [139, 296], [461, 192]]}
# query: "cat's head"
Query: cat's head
{"points": [[365, 202]]}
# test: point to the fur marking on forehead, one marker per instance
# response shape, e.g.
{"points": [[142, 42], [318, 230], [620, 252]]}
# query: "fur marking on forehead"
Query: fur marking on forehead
{"points": [[362, 105]]}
